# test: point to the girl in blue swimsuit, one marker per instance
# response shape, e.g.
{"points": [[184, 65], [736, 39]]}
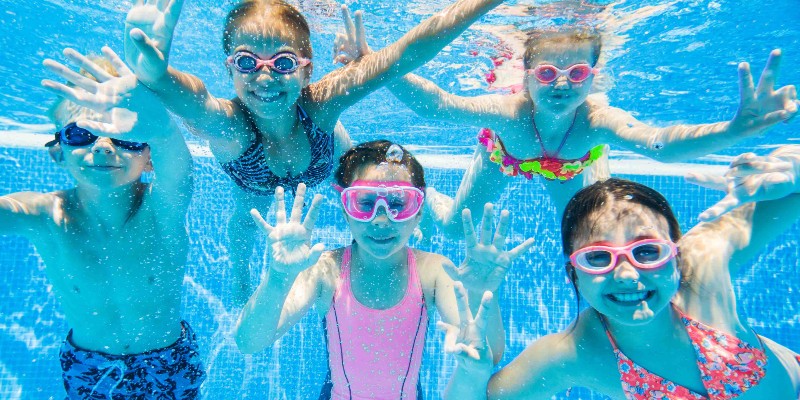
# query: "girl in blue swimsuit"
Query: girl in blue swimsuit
{"points": [[276, 131]]}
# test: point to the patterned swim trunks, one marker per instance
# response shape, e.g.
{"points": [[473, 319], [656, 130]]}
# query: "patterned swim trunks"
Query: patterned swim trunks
{"points": [[173, 372]]}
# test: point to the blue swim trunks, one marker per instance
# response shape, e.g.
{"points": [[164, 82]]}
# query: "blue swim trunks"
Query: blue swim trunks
{"points": [[173, 372]]}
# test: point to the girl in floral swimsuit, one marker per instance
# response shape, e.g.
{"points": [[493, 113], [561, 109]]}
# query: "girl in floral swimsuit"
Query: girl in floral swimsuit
{"points": [[662, 319], [555, 129]]}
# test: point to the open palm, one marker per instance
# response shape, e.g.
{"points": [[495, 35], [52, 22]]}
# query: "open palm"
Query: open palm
{"points": [[290, 240], [149, 28]]}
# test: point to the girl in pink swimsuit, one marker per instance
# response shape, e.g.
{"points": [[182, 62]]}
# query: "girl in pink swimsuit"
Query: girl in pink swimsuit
{"points": [[375, 296], [662, 321]]}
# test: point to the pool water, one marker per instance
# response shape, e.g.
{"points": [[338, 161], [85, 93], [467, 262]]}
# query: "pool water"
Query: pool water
{"points": [[673, 62]]}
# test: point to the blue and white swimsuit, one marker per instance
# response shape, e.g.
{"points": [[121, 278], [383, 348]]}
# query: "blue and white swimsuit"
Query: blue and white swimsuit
{"points": [[251, 172]]}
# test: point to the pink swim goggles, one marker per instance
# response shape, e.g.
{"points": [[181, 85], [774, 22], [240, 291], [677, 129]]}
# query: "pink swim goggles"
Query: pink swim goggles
{"points": [[642, 254], [400, 200], [548, 73]]}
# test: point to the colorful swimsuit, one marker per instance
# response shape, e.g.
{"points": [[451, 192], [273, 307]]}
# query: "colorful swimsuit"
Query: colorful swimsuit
{"points": [[728, 367], [251, 172], [550, 167], [173, 372], [375, 354]]}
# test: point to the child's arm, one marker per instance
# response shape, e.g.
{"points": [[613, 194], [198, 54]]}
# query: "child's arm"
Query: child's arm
{"points": [[759, 109], [772, 183], [131, 112], [292, 283], [539, 372], [21, 213], [485, 266], [422, 96], [345, 86], [148, 37]]}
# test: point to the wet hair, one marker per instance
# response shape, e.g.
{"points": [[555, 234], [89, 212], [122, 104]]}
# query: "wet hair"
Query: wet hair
{"points": [[366, 154], [593, 198], [537, 40], [62, 110], [268, 12]]}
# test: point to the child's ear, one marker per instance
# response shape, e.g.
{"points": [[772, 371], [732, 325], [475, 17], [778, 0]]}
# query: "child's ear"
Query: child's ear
{"points": [[149, 166], [56, 153]]}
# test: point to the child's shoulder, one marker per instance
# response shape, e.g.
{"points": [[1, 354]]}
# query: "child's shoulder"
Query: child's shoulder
{"points": [[36, 204], [431, 261]]}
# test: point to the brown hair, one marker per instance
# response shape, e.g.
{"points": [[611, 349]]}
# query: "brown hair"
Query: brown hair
{"points": [[374, 153], [594, 197], [538, 39], [268, 12]]}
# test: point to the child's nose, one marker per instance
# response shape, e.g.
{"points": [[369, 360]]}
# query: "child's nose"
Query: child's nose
{"points": [[625, 271], [103, 145]]}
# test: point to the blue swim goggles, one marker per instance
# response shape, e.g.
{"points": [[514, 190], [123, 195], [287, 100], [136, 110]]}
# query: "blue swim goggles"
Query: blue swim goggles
{"points": [[73, 135]]}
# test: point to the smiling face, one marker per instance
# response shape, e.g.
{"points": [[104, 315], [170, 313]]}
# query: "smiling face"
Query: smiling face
{"points": [[560, 95], [101, 164], [382, 237], [626, 294], [266, 92]]}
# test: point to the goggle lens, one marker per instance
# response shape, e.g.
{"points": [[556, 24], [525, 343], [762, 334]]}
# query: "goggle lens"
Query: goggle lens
{"points": [[73, 135], [546, 73], [644, 254], [399, 202], [282, 63]]}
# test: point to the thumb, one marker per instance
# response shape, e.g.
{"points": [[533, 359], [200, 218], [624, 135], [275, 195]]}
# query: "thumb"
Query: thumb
{"points": [[707, 181], [145, 45], [722, 207]]}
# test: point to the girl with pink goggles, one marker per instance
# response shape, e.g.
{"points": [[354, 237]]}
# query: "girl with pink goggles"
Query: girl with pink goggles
{"points": [[642, 254], [400, 200], [548, 73]]}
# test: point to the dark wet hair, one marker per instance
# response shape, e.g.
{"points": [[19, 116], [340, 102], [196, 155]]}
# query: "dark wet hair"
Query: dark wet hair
{"points": [[538, 39], [374, 153], [592, 198], [268, 11]]}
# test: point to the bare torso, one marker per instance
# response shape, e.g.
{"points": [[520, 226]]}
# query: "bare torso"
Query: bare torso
{"points": [[120, 291]]}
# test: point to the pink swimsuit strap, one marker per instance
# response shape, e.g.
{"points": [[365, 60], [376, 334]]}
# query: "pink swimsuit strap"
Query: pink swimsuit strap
{"points": [[375, 353], [728, 366]]}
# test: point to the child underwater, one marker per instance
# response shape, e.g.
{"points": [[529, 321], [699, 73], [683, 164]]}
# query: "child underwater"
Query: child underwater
{"points": [[555, 129], [377, 295], [275, 132], [662, 320], [115, 247]]}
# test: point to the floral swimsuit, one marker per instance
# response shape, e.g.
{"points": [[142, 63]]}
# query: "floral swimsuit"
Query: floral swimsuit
{"points": [[548, 166], [728, 367]]}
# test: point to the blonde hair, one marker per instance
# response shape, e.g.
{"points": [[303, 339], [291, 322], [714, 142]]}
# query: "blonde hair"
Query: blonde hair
{"points": [[62, 110], [268, 11], [537, 40]]}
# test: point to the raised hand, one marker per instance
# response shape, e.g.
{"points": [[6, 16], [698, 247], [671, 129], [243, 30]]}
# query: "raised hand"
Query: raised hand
{"points": [[290, 241], [750, 178], [125, 107], [149, 27], [486, 263], [352, 43], [468, 340], [763, 106]]}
